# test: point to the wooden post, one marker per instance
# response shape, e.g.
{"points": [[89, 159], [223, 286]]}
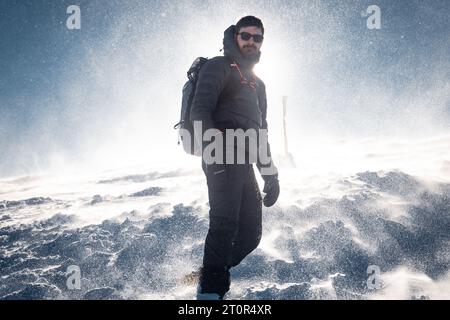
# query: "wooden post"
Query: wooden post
{"points": [[286, 151]]}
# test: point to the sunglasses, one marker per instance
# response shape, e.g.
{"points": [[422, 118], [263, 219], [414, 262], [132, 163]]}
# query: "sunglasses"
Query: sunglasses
{"points": [[247, 36]]}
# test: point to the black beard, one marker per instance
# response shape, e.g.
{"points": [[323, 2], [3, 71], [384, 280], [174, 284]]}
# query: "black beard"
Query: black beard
{"points": [[246, 47], [250, 55]]}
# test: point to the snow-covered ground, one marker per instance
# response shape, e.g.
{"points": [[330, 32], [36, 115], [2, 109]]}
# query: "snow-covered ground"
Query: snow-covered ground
{"points": [[134, 232]]}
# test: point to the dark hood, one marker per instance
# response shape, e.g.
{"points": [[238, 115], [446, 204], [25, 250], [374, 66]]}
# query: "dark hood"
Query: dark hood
{"points": [[231, 49]]}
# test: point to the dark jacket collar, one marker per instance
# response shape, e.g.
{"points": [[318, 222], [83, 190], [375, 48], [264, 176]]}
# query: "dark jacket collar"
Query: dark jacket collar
{"points": [[231, 50]]}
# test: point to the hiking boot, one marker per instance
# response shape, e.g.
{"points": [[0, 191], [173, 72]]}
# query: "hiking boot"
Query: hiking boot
{"points": [[207, 296], [192, 278]]}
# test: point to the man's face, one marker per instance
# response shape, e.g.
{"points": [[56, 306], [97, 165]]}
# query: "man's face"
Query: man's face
{"points": [[249, 47]]}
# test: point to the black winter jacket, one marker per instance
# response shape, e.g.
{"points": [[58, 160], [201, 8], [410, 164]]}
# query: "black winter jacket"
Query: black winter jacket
{"points": [[221, 100]]}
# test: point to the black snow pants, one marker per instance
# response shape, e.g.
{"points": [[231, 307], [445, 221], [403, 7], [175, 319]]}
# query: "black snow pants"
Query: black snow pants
{"points": [[235, 218]]}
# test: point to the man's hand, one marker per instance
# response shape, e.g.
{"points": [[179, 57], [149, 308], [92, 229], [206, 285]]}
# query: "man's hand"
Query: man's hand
{"points": [[272, 190]]}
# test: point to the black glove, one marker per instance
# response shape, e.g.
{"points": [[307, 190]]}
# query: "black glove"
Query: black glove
{"points": [[272, 190]]}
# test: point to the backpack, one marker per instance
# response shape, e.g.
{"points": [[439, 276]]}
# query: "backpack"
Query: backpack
{"points": [[185, 124]]}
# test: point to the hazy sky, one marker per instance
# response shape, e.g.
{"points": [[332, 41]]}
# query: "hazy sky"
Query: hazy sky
{"points": [[113, 88]]}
